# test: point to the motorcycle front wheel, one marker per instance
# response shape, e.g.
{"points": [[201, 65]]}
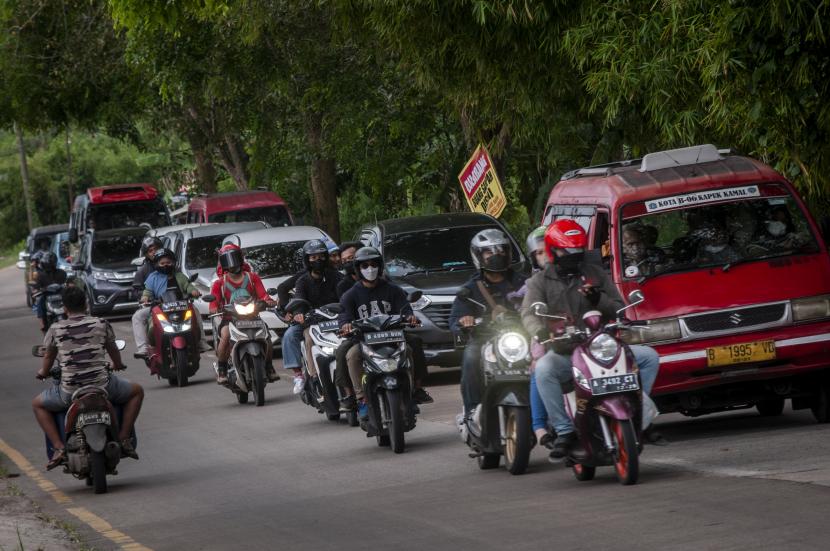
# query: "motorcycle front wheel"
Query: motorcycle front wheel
{"points": [[257, 367], [180, 359], [394, 418], [517, 441], [98, 467], [626, 456]]}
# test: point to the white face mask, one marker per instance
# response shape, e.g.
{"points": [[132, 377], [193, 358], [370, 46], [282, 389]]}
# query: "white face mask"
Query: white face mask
{"points": [[776, 228], [714, 248], [370, 273]]}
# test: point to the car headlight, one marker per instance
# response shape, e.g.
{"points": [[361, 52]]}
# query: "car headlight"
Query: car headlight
{"points": [[580, 379], [657, 330], [513, 347], [103, 275], [245, 309], [604, 347], [421, 303], [811, 308]]}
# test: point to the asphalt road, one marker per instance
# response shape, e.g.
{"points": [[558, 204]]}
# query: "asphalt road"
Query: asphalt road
{"points": [[214, 474]]}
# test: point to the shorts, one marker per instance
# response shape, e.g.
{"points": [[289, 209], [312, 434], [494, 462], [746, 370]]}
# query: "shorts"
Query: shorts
{"points": [[55, 400]]}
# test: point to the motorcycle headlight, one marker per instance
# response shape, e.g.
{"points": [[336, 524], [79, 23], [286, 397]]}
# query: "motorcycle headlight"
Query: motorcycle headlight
{"points": [[421, 303], [244, 309], [161, 317], [387, 364], [604, 347], [513, 347], [580, 379], [186, 327]]}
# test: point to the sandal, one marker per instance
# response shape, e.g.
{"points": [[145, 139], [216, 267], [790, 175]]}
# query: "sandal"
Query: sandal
{"points": [[58, 458]]}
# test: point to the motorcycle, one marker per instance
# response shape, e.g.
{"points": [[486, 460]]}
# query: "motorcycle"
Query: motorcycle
{"points": [[89, 431], [173, 351], [54, 303], [505, 423], [249, 347], [321, 392], [606, 402], [388, 378]]}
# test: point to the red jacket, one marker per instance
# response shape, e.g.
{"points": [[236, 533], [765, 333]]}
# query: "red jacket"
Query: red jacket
{"points": [[223, 295]]}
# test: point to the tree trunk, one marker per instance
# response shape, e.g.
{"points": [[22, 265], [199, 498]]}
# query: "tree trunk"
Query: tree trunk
{"points": [[24, 174], [205, 171], [228, 147], [323, 183]]}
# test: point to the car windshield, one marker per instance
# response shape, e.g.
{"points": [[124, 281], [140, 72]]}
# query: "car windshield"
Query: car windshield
{"points": [[714, 235], [116, 252], [276, 216], [275, 259], [202, 252], [128, 215], [445, 249]]}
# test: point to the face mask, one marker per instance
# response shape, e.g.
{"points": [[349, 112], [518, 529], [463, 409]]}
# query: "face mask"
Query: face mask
{"points": [[235, 269], [318, 265], [776, 228], [166, 270], [370, 274], [714, 248], [568, 264]]}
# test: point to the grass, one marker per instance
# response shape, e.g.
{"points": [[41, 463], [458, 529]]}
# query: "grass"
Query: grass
{"points": [[8, 256]]}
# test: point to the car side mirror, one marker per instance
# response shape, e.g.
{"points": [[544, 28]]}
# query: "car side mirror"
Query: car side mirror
{"points": [[39, 351], [73, 235], [415, 296], [271, 291], [120, 344], [137, 261], [208, 298]]}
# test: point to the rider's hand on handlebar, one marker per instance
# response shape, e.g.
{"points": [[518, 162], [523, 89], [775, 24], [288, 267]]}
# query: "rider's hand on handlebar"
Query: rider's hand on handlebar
{"points": [[413, 321], [346, 329], [467, 321], [195, 294]]}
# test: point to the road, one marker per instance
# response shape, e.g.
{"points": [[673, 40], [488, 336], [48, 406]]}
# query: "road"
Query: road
{"points": [[214, 474]]}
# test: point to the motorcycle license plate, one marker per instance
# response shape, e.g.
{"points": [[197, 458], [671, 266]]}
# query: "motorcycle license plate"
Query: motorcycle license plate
{"points": [[95, 418], [614, 383], [171, 306], [747, 352], [328, 326], [248, 324], [380, 337]]}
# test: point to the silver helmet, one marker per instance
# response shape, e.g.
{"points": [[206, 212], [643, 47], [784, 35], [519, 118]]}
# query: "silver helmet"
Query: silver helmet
{"points": [[497, 244]]}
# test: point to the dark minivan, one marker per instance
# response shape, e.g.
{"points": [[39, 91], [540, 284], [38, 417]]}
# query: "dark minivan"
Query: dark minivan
{"points": [[432, 254]]}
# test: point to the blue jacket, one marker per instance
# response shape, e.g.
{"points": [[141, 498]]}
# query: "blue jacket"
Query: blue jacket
{"points": [[498, 291]]}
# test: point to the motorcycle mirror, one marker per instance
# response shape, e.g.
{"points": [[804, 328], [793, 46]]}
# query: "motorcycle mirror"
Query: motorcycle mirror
{"points": [[414, 296], [208, 298], [539, 308], [271, 291], [193, 277], [120, 344], [636, 297], [39, 351], [138, 261]]}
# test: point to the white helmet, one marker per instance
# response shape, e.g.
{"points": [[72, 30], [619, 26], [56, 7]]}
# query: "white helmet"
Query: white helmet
{"points": [[497, 243]]}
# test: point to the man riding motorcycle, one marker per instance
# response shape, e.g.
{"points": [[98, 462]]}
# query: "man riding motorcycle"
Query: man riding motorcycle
{"points": [[318, 286], [572, 287], [374, 295], [149, 246], [80, 343], [235, 277], [47, 274], [495, 280]]}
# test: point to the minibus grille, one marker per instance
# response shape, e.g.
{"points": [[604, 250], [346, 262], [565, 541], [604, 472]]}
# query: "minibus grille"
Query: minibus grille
{"points": [[741, 318], [439, 314]]}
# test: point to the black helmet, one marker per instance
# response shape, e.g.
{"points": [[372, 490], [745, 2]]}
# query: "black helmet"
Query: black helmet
{"points": [[48, 261], [315, 246], [161, 253], [367, 254], [496, 242], [230, 258], [150, 241]]}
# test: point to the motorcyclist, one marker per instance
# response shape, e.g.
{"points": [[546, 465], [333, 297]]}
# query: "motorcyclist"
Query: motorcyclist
{"points": [[334, 253], [47, 274], [350, 277], [491, 253], [572, 287], [235, 278], [373, 295], [318, 286], [80, 343], [149, 246]]}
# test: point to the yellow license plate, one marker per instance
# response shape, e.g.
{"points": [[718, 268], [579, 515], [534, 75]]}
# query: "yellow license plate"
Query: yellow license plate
{"points": [[746, 352]]}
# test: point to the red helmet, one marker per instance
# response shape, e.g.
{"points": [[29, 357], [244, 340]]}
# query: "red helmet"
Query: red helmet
{"points": [[565, 234]]}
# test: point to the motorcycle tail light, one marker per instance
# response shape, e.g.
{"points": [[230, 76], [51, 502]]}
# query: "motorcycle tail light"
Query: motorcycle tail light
{"points": [[811, 308]]}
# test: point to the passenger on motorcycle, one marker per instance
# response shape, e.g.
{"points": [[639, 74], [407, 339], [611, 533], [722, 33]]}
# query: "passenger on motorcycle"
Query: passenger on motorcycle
{"points": [[47, 274], [235, 278], [495, 280], [80, 343], [341, 372], [163, 278], [572, 287], [318, 286], [373, 295], [141, 317]]}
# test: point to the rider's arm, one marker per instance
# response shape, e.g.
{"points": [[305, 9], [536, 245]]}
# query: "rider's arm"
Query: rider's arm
{"points": [[284, 288], [348, 307], [112, 349], [216, 291], [610, 300], [535, 293], [186, 285], [49, 355]]}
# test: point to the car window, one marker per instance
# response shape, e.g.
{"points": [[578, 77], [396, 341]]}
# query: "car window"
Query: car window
{"points": [[201, 252], [276, 216], [444, 249], [276, 259], [116, 252], [127, 215], [582, 215]]}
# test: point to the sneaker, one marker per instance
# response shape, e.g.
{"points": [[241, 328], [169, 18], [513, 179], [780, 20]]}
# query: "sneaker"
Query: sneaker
{"points": [[221, 374], [652, 436], [474, 420], [347, 404], [547, 441], [127, 449], [421, 396], [461, 424], [562, 445], [141, 353], [363, 411], [299, 384]]}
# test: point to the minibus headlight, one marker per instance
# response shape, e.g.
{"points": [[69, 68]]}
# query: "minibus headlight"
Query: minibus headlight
{"points": [[811, 308], [657, 330]]}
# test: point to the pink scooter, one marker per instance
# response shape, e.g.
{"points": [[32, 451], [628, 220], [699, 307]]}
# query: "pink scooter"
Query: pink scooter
{"points": [[605, 403]]}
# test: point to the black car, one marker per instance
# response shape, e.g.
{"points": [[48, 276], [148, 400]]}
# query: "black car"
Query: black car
{"points": [[40, 239], [105, 269], [432, 254]]}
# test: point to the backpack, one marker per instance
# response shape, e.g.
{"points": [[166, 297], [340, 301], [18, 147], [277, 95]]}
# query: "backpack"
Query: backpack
{"points": [[240, 292]]}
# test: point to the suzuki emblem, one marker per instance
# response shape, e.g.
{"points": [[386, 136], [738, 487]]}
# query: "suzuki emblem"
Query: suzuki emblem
{"points": [[736, 318]]}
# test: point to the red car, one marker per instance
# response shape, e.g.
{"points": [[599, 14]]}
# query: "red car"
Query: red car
{"points": [[240, 206], [735, 272]]}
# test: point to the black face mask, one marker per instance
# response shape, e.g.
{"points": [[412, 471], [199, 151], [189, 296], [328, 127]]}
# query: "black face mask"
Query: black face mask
{"points": [[568, 265], [166, 270], [318, 265]]}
